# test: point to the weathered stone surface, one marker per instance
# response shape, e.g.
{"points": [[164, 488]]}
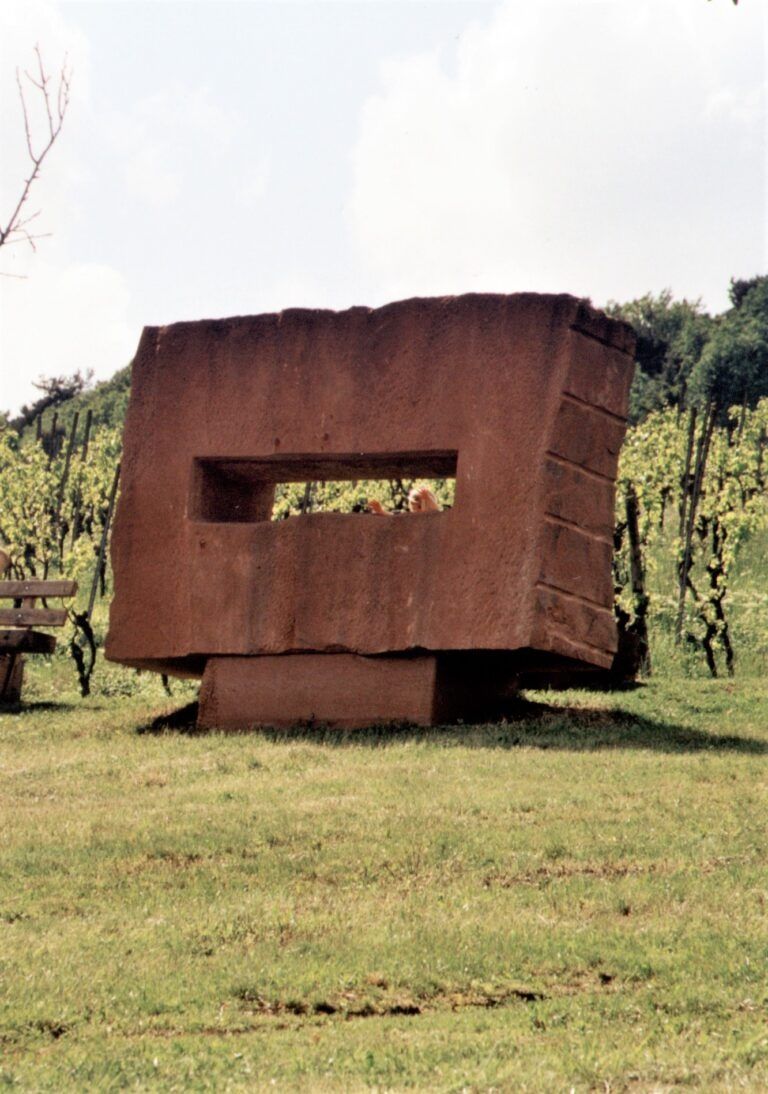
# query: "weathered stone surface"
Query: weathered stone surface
{"points": [[568, 618], [579, 499], [524, 396], [597, 376], [576, 561], [340, 689], [587, 437], [348, 690], [595, 324]]}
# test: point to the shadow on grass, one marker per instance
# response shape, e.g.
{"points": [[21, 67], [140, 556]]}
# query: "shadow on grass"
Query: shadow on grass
{"points": [[527, 725], [33, 708]]}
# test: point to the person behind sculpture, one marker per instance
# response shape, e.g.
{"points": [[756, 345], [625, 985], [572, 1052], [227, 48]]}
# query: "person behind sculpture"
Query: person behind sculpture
{"points": [[420, 500]]}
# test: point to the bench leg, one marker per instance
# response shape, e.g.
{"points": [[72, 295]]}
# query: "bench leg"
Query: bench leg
{"points": [[11, 677]]}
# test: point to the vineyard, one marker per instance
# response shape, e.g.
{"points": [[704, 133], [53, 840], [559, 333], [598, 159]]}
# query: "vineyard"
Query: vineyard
{"points": [[691, 516], [691, 523], [531, 904]]}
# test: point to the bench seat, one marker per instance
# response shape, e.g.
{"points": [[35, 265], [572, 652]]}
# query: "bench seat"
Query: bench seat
{"points": [[21, 640]]}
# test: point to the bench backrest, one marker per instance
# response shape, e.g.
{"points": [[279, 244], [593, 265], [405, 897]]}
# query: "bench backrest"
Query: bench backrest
{"points": [[26, 614]]}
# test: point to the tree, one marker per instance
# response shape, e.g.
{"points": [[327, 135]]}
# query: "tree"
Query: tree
{"points": [[671, 335], [54, 99], [687, 358], [56, 390], [733, 367]]}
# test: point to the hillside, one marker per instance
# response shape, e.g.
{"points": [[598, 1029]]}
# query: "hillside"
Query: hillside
{"points": [[107, 401]]}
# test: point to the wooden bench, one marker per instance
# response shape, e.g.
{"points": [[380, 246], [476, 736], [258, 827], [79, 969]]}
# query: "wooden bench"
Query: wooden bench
{"points": [[18, 635]]}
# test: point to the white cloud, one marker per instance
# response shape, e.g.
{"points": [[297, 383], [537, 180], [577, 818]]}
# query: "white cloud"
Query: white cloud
{"points": [[25, 24], [56, 316], [252, 182], [166, 135], [60, 320], [604, 149]]}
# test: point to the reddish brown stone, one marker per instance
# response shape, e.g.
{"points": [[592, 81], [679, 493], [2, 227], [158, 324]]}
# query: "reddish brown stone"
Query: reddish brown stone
{"points": [[339, 689], [522, 397], [579, 499]]}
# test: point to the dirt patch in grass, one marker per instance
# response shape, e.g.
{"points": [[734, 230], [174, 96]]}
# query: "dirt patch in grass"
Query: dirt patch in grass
{"points": [[542, 875], [609, 871], [363, 1004]]}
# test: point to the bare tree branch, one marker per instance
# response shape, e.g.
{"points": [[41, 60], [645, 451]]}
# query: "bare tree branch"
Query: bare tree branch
{"points": [[55, 104]]}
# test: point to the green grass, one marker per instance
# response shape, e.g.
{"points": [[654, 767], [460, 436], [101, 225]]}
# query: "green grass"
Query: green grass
{"points": [[574, 899]]}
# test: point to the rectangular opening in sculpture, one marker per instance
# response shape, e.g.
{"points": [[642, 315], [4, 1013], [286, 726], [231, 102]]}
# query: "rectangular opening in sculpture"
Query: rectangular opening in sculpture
{"points": [[246, 490]]}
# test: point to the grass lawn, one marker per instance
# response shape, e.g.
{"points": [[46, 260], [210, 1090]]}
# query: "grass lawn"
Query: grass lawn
{"points": [[577, 899]]}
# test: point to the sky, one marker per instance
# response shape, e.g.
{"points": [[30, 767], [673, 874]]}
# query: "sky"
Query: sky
{"points": [[226, 158]]}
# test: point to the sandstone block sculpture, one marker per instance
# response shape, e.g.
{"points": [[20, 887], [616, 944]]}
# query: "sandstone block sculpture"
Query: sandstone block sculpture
{"points": [[350, 618]]}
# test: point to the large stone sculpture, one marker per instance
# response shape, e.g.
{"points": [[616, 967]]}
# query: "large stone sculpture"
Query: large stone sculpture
{"points": [[350, 618]]}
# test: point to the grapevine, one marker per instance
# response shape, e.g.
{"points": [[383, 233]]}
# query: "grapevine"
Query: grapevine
{"points": [[732, 506]]}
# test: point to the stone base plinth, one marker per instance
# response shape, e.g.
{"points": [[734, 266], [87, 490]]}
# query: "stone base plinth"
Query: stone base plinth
{"points": [[335, 689], [350, 691]]}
